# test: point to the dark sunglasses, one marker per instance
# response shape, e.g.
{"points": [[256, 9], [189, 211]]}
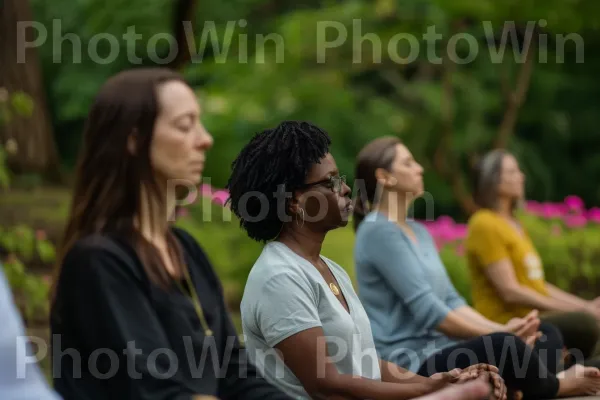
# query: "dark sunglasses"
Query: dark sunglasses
{"points": [[335, 183]]}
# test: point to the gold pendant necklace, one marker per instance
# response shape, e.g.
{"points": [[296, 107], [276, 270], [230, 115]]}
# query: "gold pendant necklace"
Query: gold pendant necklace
{"points": [[334, 289]]}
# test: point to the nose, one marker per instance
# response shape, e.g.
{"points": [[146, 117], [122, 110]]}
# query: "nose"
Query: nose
{"points": [[420, 169], [204, 139], [345, 189]]}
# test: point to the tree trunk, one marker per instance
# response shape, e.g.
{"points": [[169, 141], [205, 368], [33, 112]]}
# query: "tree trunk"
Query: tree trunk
{"points": [[183, 11], [21, 71]]}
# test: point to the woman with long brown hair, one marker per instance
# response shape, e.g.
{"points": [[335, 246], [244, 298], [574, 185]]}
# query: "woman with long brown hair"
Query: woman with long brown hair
{"points": [[137, 311]]}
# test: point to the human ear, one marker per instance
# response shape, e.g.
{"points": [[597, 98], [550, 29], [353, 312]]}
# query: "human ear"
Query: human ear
{"points": [[294, 205], [384, 178]]}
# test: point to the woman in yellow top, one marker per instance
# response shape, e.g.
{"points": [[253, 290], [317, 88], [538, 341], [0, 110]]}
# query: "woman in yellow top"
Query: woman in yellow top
{"points": [[506, 270]]}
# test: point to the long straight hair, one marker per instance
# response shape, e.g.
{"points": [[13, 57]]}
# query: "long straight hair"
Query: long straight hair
{"points": [[379, 153], [107, 197]]}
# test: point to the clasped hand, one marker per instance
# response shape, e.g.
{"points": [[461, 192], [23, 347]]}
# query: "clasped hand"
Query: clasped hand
{"points": [[526, 328], [486, 372]]}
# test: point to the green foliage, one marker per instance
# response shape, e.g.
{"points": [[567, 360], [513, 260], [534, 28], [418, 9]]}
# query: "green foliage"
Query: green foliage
{"points": [[361, 90], [226, 244], [26, 247], [22, 104], [4, 173], [23, 245], [456, 267], [13, 104]]}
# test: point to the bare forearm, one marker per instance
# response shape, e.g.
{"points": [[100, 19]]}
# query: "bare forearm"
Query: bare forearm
{"points": [[475, 317], [393, 373], [457, 326], [528, 297], [560, 295], [347, 386]]}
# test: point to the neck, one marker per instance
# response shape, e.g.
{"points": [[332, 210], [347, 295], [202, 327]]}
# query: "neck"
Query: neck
{"points": [[302, 241], [153, 220], [504, 207], [395, 206]]}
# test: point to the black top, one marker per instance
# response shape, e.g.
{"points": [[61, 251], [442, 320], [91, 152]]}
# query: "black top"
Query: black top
{"points": [[105, 303]]}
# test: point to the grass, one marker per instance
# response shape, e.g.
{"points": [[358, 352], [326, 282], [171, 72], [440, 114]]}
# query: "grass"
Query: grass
{"points": [[41, 208]]}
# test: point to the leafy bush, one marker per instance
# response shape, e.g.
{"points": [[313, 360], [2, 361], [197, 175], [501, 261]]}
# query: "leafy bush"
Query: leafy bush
{"points": [[20, 245]]}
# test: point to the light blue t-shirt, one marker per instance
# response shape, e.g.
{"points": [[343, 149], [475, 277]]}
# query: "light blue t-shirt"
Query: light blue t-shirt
{"points": [[284, 295], [405, 290]]}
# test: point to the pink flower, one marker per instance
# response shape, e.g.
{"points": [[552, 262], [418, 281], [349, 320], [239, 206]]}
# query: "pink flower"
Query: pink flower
{"points": [[460, 250], [445, 220], [446, 233], [206, 190], [575, 221], [220, 197], [551, 210], [574, 203], [460, 231], [593, 214], [534, 207]]}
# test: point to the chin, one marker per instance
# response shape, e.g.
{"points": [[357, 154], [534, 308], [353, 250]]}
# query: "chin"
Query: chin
{"points": [[418, 193], [195, 179], [337, 224]]}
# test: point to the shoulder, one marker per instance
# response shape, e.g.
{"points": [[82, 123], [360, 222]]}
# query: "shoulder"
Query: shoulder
{"points": [[276, 263], [482, 219], [419, 228], [375, 227], [103, 246], [278, 273], [100, 254], [484, 224]]}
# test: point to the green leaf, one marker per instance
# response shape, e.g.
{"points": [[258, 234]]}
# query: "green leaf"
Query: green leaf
{"points": [[46, 251], [22, 103]]}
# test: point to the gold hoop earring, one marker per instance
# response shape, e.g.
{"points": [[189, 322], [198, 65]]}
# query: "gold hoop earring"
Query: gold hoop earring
{"points": [[300, 213]]}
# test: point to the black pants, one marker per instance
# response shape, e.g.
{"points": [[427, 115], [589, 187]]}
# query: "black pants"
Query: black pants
{"points": [[530, 370], [580, 332]]}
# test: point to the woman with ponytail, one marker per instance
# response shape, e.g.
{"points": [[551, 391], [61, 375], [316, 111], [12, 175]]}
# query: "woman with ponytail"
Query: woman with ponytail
{"points": [[418, 319]]}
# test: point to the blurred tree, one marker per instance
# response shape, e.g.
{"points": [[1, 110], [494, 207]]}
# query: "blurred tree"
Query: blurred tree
{"points": [[21, 72], [363, 69]]}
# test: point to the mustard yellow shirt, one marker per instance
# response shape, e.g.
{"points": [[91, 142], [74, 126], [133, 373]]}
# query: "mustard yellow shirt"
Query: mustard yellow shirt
{"points": [[491, 238]]}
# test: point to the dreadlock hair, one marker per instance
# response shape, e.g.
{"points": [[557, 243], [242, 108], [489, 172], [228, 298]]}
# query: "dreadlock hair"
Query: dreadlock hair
{"points": [[275, 162]]}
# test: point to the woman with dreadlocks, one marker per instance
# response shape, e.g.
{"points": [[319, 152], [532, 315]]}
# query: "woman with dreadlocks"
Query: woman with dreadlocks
{"points": [[305, 328]]}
